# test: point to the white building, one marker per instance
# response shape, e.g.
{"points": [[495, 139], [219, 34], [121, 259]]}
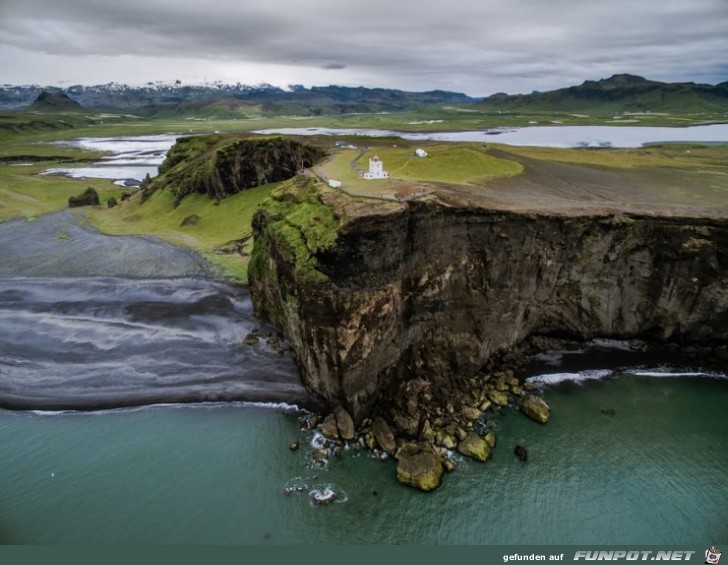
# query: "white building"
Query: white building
{"points": [[420, 152], [334, 183], [376, 170]]}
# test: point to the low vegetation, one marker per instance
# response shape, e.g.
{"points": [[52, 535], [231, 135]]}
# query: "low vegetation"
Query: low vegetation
{"points": [[88, 197]]}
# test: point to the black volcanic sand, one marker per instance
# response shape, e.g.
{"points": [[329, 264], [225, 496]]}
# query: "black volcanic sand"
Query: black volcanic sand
{"points": [[90, 321], [62, 245]]}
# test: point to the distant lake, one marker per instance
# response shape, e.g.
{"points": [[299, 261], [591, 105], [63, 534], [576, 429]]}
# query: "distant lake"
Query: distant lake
{"points": [[544, 136]]}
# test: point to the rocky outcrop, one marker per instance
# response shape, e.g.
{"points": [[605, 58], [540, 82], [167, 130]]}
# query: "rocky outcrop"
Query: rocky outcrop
{"points": [[535, 408], [475, 447], [221, 165], [419, 466], [428, 291]]}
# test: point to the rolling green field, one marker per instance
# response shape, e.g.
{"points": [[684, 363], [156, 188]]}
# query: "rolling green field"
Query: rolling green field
{"points": [[220, 231], [450, 163]]}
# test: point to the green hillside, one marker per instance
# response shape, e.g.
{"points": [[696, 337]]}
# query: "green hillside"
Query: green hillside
{"points": [[619, 93]]}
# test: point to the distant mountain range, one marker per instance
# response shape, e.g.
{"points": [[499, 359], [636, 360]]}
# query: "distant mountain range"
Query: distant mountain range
{"points": [[225, 100], [619, 93]]}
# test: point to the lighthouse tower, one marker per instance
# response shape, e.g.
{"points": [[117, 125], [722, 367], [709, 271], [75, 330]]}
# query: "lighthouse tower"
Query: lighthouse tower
{"points": [[376, 169]]}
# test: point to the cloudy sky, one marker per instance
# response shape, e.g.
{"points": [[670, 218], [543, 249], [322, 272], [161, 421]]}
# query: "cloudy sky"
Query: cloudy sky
{"points": [[474, 46]]}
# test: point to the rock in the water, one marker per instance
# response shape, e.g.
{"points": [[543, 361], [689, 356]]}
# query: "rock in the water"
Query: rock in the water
{"points": [[490, 439], [383, 434], [419, 469], [521, 452], [475, 447], [498, 397], [535, 408], [293, 446], [485, 405], [344, 423], [329, 427], [448, 465], [320, 454], [323, 497]]}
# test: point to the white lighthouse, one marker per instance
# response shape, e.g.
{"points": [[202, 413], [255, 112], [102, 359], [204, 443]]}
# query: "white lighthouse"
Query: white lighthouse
{"points": [[376, 169]]}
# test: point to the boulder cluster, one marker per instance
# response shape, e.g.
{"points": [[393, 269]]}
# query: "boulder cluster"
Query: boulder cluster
{"points": [[423, 424]]}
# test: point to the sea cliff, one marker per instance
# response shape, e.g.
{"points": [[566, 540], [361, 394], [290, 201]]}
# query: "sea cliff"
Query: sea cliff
{"points": [[373, 295]]}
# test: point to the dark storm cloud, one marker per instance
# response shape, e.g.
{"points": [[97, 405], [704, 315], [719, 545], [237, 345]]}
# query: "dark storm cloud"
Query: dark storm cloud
{"points": [[479, 44]]}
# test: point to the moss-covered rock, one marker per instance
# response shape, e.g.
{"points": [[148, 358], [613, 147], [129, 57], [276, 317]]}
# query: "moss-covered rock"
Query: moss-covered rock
{"points": [[294, 223], [475, 447], [490, 439], [419, 468], [535, 408], [498, 397]]}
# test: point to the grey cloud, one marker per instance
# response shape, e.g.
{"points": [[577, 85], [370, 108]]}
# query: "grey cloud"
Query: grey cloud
{"points": [[478, 43]]}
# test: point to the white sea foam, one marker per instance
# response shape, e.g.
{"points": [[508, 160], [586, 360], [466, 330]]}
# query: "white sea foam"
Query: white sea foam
{"points": [[283, 407], [669, 373], [556, 378]]}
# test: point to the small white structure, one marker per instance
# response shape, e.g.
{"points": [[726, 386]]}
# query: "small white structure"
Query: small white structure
{"points": [[420, 152], [334, 183], [376, 170]]}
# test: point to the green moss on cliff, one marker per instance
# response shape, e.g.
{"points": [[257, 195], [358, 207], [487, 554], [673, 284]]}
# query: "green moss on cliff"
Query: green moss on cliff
{"points": [[298, 224], [222, 165]]}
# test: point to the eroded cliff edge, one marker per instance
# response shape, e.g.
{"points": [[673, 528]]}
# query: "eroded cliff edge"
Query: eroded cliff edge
{"points": [[373, 293]]}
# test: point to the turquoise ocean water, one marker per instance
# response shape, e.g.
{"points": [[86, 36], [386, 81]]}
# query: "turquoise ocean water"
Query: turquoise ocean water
{"points": [[655, 471]]}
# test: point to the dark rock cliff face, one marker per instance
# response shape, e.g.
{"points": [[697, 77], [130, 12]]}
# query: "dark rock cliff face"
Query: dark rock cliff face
{"points": [[427, 290]]}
